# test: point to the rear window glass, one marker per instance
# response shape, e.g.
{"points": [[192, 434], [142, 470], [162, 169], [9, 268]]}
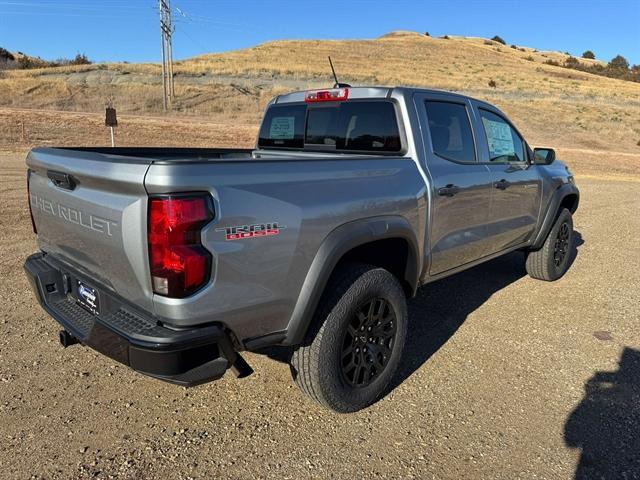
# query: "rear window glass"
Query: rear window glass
{"points": [[283, 127], [450, 129], [345, 126]]}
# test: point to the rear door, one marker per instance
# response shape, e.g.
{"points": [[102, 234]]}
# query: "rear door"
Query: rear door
{"points": [[517, 187], [461, 186]]}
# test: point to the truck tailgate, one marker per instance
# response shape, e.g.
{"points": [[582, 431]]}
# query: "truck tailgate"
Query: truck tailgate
{"points": [[90, 212]]}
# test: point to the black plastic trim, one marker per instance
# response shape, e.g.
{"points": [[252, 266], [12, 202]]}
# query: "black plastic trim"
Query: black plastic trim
{"points": [[552, 212], [267, 340], [62, 180], [185, 357], [338, 243]]}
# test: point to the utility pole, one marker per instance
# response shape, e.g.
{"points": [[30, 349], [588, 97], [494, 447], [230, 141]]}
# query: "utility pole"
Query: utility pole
{"points": [[166, 33], [164, 64]]}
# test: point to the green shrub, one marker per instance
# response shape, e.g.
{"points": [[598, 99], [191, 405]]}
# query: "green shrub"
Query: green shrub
{"points": [[80, 59], [572, 62], [6, 55], [589, 54], [618, 63], [498, 39], [26, 63], [618, 67]]}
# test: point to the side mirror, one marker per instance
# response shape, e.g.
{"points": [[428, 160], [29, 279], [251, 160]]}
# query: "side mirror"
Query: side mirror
{"points": [[544, 156]]}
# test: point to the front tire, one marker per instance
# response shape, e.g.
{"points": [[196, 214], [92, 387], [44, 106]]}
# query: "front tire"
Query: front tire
{"points": [[354, 344], [552, 261]]}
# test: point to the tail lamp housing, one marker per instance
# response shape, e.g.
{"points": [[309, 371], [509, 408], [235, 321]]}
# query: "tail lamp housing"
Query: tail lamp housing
{"points": [[332, 95], [179, 263]]}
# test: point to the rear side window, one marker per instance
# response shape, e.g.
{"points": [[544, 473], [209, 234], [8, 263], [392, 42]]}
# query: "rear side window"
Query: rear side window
{"points": [[450, 129], [359, 126]]}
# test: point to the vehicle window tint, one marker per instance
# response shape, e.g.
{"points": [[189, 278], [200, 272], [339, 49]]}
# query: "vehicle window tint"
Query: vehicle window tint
{"points": [[505, 145], [450, 129], [283, 126], [321, 124], [343, 126]]}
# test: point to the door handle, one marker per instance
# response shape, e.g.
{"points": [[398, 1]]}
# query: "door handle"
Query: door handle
{"points": [[502, 184], [62, 180], [449, 191]]}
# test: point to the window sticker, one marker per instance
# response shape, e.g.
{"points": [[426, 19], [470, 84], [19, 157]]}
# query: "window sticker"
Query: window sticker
{"points": [[282, 128], [499, 138]]}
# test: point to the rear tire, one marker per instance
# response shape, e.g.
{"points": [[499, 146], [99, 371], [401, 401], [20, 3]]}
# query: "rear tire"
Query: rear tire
{"points": [[552, 261], [354, 344]]}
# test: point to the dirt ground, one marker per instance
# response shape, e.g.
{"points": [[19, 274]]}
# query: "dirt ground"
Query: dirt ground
{"points": [[503, 377]]}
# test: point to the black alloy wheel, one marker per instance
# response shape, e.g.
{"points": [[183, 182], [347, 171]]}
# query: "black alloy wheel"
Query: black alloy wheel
{"points": [[368, 342], [553, 259], [352, 349], [561, 248]]}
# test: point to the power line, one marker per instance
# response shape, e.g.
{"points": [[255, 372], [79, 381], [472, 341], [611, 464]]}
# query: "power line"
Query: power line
{"points": [[73, 6], [85, 14]]}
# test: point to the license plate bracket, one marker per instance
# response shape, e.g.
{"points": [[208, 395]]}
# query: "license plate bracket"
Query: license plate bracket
{"points": [[87, 297]]}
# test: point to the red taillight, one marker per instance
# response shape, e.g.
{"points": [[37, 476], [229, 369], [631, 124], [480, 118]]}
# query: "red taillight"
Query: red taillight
{"points": [[33, 223], [179, 263], [334, 95]]}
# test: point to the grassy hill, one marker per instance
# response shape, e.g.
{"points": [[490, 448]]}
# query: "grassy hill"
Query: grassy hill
{"points": [[551, 104]]}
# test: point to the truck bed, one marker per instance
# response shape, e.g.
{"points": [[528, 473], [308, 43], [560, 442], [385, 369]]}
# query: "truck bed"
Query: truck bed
{"points": [[97, 225], [153, 154]]}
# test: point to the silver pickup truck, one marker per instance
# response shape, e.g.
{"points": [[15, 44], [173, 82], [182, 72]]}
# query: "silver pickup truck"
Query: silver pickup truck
{"points": [[173, 261]]}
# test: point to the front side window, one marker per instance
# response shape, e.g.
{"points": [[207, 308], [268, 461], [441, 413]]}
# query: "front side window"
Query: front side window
{"points": [[505, 145], [359, 126], [450, 129]]}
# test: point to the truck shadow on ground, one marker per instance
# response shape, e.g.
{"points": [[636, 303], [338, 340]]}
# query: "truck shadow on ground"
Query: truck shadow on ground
{"points": [[441, 307], [606, 423]]}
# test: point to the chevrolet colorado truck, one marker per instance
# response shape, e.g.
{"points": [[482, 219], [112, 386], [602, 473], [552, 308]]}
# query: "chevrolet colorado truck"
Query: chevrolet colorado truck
{"points": [[174, 261]]}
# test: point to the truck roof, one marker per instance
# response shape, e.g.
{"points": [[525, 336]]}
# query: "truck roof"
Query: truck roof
{"points": [[372, 92]]}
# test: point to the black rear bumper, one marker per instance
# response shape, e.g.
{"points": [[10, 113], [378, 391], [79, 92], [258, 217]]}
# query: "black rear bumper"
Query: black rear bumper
{"points": [[123, 333]]}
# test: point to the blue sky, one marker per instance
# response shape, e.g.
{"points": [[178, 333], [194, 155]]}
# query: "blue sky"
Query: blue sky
{"points": [[115, 30]]}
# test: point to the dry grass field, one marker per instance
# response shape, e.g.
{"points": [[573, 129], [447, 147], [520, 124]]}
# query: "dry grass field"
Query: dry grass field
{"points": [[552, 105]]}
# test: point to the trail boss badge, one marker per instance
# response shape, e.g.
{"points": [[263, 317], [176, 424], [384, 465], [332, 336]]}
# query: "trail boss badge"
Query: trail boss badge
{"points": [[240, 232]]}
